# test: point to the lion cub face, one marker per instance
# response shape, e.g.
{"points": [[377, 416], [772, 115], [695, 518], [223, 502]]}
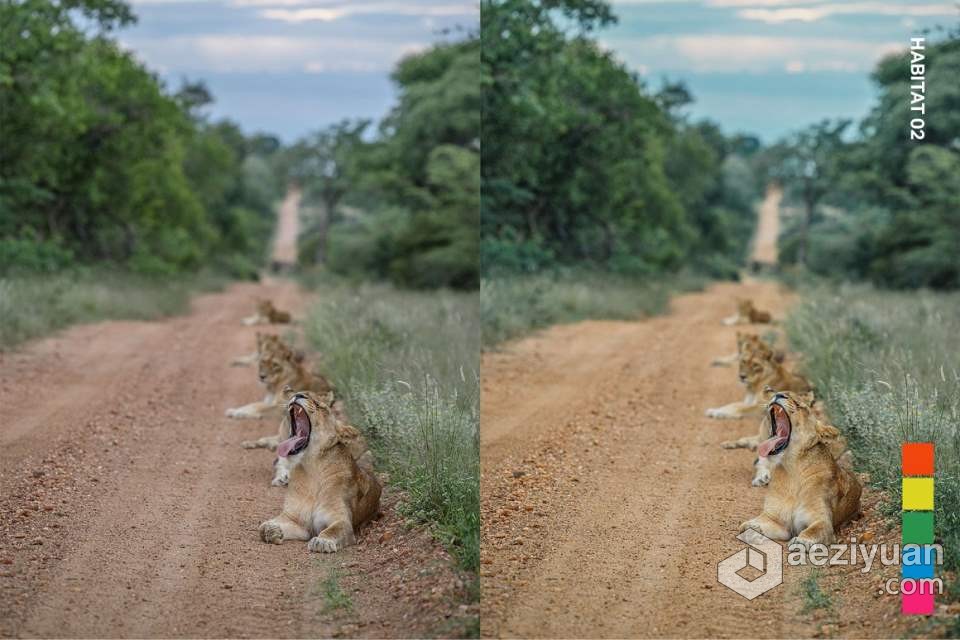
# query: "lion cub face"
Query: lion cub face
{"points": [[756, 364], [311, 426], [794, 427]]}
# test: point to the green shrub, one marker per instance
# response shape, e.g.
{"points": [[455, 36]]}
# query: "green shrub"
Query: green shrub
{"points": [[511, 306], [407, 364], [888, 368]]}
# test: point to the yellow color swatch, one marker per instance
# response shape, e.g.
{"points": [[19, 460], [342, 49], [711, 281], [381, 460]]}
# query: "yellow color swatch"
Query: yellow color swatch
{"points": [[918, 494]]}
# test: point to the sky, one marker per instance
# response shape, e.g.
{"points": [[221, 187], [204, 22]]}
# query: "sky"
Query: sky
{"points": [[769, 67], [766, 67], [289, 67]]}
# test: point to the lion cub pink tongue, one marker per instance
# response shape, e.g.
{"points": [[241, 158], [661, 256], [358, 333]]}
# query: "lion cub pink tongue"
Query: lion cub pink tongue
{"points": [[783, 432], [301, 433]]}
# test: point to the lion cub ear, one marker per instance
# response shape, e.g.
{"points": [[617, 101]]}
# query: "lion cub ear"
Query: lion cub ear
{"points": [[826, 431], [346, 432], [287, 392]]}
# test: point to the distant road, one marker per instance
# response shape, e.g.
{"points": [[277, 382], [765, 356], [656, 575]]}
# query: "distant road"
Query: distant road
{"points": [[288, 227], [768, 227]]}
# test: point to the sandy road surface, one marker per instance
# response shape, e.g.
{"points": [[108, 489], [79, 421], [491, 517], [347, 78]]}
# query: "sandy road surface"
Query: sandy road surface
{"points": [[128, 508], [607, 500], [288, 223], [768, 227]]}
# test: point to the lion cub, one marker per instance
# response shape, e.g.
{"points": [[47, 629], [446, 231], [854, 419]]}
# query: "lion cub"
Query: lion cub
{"points": [[758, 369], [748, 314], [810, 495], [761, 467], [267, 314], [278, 366], [281, 465], [329, 496]]}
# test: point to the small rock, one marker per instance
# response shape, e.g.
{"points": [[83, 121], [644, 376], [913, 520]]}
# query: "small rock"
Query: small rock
{"points": [[37, 541], [518, 473]]}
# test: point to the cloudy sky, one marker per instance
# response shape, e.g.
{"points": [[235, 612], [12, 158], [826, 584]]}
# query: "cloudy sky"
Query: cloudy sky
{"points": [[769, 66], [290, 66]]}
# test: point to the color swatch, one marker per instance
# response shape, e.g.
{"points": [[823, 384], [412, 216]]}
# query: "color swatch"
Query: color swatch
{"points": [[916, 566]]}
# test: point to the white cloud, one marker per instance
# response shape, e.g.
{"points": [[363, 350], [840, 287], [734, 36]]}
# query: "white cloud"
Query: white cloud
{"points": [[749, 54], [244, 53], [821, 11], [335, 11]]}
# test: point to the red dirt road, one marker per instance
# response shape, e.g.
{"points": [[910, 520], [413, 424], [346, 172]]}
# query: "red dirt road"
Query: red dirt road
{"points": [[128, 507], [607, 501]]}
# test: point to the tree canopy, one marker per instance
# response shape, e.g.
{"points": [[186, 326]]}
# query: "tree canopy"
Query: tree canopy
{"points": [[100, 162], [886, 207], [584, 164]]}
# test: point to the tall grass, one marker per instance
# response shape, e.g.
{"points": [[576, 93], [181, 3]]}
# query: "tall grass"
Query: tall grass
{"points": [[407, 364], [36, 305], [888, 367], [512, 306]]}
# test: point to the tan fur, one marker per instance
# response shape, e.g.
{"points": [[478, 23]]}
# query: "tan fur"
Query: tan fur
{"points": [[281, 470], [278, 366], [748, 314], [758, 369], [329, 496], [810, 495], [761, 477], [267, 314]]}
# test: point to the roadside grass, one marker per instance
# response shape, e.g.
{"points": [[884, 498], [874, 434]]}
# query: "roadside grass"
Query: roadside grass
{"points": [[407, 365], [887, 365], [513, 306], [813, 596], [334, 597], [32, 306]]}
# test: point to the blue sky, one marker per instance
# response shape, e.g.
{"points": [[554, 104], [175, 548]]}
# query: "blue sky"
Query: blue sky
{"points": [[769, 66], [763, 66], [290, 66]]}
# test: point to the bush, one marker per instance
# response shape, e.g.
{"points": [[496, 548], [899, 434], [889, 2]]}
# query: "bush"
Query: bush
{"points": [[407, 364], [512, 306], [28, 254], [883, 364]]}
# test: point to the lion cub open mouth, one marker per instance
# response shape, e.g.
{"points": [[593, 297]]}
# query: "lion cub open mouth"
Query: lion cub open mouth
{"points": [[780, 429], [300, 432]]}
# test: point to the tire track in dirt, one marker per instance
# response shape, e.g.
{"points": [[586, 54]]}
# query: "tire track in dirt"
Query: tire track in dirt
{"points": [[128, 508]]}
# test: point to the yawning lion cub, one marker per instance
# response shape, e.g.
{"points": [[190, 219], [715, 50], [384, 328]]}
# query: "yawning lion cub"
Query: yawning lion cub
{"points": [[329, 496], [810, 495]]}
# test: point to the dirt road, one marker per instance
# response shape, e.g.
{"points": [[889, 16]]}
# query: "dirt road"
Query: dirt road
{"points": [[607, 500], [288, 223], [768, 227], [128, 508]]}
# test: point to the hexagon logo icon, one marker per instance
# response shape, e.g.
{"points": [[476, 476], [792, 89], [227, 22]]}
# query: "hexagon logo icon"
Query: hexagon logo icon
{"points": [[764, 555]]}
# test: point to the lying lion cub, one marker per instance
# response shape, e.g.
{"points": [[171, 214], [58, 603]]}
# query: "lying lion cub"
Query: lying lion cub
{"points": [[747, 314], [761, 466], [810, 495], [281, 467], [278, 367], [267, 314], [758, 369], [329, 496], [747, 339]]}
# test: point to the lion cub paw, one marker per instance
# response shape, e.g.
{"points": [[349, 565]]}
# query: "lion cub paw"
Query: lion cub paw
{"points": [[323, 545], [242, 413], [718, 413], [271, 532], [762, 478], [249, 444]]}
